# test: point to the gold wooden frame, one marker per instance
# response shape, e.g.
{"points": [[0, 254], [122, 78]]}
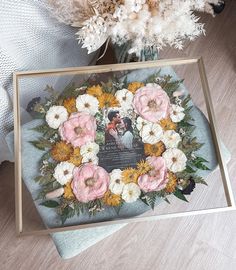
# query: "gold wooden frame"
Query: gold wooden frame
{"points": [[109, 68]]}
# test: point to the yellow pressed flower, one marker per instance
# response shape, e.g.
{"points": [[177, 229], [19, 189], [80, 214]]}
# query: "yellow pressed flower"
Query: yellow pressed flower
{"points": [[130, 175], [154, 149], [171, 185], [68, 193], [143, 167], [61, 151], [134, 86], [95, 90], [111, 199], [107, 100], [167, 124], [70, 104], [75, 157]]}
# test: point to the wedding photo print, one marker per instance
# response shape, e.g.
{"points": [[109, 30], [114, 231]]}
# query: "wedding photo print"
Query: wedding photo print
{"points": [[121, 146]]}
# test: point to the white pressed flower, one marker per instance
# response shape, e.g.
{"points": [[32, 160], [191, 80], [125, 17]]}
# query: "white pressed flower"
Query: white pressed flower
{"points": [[56, 115], [89, 148], [87, 103], [63, 172], [151, 133], [125, 98], [131, 193], [175, 160], [152, 85], [177, 113], [171, 139], [90, 157], [140, 123], [116, 184]]}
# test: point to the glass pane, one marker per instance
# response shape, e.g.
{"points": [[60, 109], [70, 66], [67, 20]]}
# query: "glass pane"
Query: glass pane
{"points": [[113, 145]]}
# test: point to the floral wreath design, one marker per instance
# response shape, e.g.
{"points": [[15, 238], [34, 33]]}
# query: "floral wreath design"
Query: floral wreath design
{"points": [[71, 179]]}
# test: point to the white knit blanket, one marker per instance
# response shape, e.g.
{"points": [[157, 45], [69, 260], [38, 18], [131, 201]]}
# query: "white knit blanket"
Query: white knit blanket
{"points": [[31, 39]]}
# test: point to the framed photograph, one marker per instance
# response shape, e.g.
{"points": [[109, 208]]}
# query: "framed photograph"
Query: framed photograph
{"points": [[109, 144]]}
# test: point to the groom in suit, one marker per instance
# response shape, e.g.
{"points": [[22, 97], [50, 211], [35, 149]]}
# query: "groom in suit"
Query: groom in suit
{"points": [[111, 133]]}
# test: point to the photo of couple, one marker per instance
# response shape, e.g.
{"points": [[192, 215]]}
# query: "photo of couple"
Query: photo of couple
{"points": [[119, 131], [121, 149]]}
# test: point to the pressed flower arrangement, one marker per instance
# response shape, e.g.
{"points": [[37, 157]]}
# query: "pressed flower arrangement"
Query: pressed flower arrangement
{"points": [[72, 178]]}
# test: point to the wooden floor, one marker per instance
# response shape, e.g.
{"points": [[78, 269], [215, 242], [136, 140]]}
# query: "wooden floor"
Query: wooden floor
{"points": [[193, 243]]}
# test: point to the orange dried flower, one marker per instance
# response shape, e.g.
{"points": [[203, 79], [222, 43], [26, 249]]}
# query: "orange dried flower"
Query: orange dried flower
{"points": [[130, 175], [111, 199], [107, 100], [75, 157], [154, 149], [143, 167], [68, 193], [134, 86], [70, 105], [171, 185], [61, 151], [167, 124], [95, 90]]}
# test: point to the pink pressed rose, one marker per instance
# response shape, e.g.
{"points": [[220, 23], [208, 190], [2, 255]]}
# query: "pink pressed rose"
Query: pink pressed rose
{"points": [[89, 182], [79, 129], [152, 103], [156, 179]]}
